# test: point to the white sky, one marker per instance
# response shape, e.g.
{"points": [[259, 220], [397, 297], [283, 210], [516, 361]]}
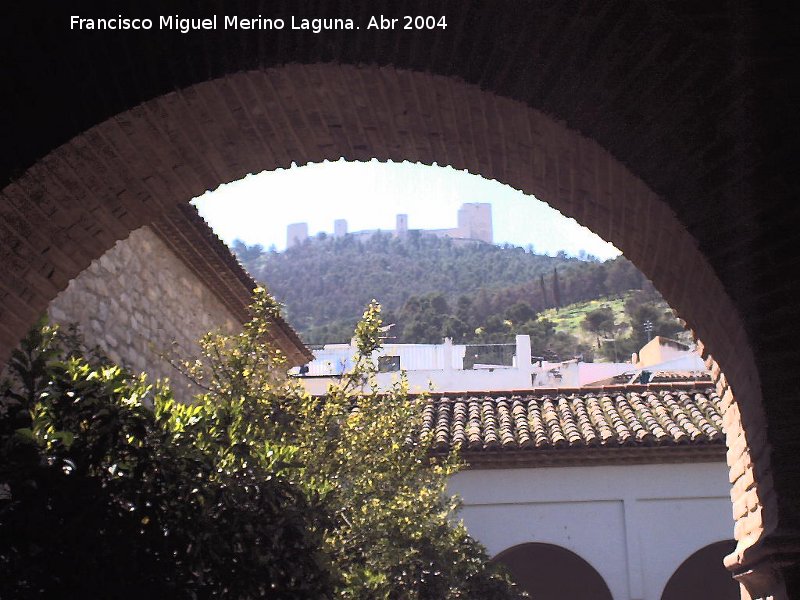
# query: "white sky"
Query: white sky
{"points": [[258, 208]]}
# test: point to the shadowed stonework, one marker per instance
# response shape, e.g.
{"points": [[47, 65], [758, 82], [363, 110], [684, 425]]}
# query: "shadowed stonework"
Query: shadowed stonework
{"points": [[136, 300]]}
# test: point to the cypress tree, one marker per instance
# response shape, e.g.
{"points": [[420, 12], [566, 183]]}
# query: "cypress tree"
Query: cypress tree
{"points": [[556, 289], [544, 291]]}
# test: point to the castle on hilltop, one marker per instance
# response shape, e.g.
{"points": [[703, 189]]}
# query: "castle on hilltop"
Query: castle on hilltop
{"points": [[474, 224]]}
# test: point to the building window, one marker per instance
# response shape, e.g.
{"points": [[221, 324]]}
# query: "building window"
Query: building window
{"points": [[388, 364]]}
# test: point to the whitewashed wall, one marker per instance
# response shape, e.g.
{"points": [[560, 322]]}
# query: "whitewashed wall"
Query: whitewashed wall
{"points": [[440, 367], [634, 524]]}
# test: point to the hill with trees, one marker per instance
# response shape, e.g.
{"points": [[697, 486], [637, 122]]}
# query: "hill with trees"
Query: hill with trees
{"points": [[432, 288]]}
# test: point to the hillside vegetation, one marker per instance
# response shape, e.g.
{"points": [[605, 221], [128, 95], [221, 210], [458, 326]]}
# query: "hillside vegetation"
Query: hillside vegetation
{"points": [[571, 318], [474, 293]]}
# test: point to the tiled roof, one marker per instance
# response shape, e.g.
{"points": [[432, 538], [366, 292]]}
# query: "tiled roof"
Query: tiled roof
{"points": [[700, 378], [196, 244], [629, 423], [672, 376]]}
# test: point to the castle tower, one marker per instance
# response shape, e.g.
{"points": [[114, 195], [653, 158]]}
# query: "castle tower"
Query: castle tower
{"points": [[475, 221], [340, 228], [401, 226], [296, 233]]}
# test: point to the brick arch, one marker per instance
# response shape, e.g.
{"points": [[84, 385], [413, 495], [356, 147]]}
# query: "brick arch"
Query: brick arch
{"points": [[73, 204]]}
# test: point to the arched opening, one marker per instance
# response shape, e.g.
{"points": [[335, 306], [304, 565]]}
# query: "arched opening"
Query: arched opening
{"points": [[550, 572], [405, 232], [100, 186], [703, 576]]}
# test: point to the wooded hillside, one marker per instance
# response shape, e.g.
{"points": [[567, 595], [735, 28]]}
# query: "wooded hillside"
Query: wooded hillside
{"points": [[432, 287]]}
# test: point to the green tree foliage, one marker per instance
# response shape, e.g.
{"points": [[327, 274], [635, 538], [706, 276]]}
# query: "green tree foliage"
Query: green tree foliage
{"points": [[556, 289], [643, 306], [664, 322], [520, 313], [423, 320], [391, 534], [427, 319], [324, 283], [621, 276], [111, 490], [247, 253], [599, 322]]}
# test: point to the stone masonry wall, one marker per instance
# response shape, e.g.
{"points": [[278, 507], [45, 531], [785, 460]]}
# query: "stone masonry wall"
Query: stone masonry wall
{"points": [[139, 302]]}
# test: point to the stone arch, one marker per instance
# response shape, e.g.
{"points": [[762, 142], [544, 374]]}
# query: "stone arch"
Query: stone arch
{"points": [[72, 205], [702, 575], [550, 572]]}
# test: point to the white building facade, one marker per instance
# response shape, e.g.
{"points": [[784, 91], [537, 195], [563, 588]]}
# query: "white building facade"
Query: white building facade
{"points": [[616, 493], [635, 525], [452, 367]]}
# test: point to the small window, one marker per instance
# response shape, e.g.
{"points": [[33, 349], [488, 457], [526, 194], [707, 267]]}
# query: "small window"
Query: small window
{"points": [[388, 364]]}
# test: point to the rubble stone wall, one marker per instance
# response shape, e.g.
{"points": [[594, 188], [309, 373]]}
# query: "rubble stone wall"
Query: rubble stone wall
{"points": [[141, 304]]}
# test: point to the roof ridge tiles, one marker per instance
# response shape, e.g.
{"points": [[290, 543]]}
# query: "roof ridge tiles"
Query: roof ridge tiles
{"points": [[627, 388], [576, 420]]}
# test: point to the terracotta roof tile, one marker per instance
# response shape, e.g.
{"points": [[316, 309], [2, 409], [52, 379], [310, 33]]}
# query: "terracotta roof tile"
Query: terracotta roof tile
{"points": [[581, 419], [520, 415], [475, 434]]}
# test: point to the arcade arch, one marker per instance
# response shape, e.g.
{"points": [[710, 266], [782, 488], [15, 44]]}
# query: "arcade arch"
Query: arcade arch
{"points": [[702, 575], [549, 572]]}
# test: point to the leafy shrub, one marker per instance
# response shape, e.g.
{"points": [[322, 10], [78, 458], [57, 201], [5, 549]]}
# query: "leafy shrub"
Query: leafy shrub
{"points": [[111, 489], [392, 534], [108, 494]]}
